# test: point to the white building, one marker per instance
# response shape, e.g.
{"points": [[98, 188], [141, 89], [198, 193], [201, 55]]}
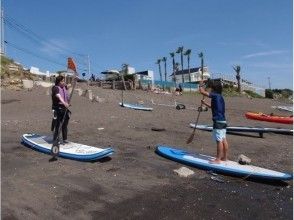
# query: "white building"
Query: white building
{"points": [[145, 75], [110, 74], [195, 74], [36, 71]]}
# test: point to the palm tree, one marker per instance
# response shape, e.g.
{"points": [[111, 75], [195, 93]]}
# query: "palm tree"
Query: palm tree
{"points": [[180, 50], [172, 55], [188, 53], [125, 70], [237, 69], [159, 67], [202, 64], [165, 74]]}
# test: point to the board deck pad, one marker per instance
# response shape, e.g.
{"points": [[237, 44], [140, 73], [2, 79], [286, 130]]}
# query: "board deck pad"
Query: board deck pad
{"points": [[246, 129], [226, 167], [136, 106], [69, 150]]}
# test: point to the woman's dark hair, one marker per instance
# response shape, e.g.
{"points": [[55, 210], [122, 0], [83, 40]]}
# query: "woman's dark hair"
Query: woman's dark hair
{"points": [[58, 79], [216, 86]]}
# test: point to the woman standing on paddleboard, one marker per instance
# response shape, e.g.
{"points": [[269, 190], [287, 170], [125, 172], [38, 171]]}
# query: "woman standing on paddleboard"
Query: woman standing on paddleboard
{"points": [[60, 100]]}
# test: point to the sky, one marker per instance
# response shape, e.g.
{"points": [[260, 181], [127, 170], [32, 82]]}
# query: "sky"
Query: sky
{"points": [[255, 34]]}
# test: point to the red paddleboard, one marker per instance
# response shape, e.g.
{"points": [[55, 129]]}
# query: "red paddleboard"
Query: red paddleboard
{"points": [[269, 118]]}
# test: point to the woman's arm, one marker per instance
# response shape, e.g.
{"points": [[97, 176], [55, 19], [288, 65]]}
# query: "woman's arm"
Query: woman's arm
{"points": [[61, 100]]}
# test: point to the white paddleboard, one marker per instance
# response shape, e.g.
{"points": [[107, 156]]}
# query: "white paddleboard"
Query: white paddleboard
{"points": [[135, 106], [69, 150]]}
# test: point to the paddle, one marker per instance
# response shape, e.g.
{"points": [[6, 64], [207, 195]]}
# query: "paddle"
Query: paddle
{"points": [[122, 98], [191, 138], [55, 146]]}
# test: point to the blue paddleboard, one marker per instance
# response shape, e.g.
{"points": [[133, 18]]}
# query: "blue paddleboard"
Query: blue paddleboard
{"points": [[69, 150], [226, 167]]}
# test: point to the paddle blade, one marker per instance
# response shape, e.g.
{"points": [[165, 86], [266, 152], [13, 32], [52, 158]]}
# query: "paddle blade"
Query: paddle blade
{"points": [[71, 66], [190, 139]]}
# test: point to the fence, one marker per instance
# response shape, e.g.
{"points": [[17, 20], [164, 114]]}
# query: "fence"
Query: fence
{"points": [[161, 84]]}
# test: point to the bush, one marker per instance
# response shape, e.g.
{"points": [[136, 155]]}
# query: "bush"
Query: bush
{"points": [[269, 94], [252, 94]]}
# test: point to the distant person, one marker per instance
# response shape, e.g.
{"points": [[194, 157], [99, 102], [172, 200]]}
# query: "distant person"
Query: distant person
{"points": [[217, 106], [60, 99], [179, 90]]}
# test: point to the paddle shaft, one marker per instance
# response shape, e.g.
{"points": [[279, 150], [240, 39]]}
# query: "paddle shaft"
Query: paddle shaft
{"points": [[190, 139]]}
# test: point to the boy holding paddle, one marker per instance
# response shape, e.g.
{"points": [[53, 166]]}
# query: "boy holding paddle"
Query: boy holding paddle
{"points": [[217, 106]]}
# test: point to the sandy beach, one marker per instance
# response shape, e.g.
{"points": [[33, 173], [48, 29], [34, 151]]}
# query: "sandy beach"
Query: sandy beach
{"points": [[136, 183]]}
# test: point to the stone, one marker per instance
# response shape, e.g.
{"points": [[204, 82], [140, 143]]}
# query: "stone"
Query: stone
{"points": [[242, 159], [184, 172]]}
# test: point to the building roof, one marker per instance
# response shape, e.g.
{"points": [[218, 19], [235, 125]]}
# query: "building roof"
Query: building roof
{"points": [[145, 73], [186, 71]]}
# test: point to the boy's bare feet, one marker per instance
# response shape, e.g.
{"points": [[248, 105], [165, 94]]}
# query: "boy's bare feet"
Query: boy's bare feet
{"points": [[224, 159], [215, 161]]}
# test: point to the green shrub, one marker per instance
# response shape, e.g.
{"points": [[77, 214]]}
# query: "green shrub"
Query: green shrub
{"points": [[269, 94]]}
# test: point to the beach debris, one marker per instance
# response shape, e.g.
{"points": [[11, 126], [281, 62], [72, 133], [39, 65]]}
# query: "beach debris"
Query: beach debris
{"points": [[184, 172], [217, 179], [75, 121], [80, 91], [100, 129], [180, 106], [48, 91], [27, 84], [99, 100], [157, 129], [141, 102], [212, 173], [84, 93], [244, 160]]}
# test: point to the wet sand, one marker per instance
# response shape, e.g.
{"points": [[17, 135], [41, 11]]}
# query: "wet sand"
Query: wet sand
{"points": [[136, 183]]}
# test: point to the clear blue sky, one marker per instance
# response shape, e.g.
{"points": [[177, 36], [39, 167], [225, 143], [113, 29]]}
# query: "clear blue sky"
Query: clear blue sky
{"points": [[257, 34]]}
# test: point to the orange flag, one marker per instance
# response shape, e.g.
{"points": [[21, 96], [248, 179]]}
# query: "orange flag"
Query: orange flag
{"points": [[71, 65]]}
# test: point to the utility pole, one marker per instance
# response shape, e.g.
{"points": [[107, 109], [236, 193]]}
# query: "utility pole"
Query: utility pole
{"points": [[269, 83], [89, 70], [2, 31]]}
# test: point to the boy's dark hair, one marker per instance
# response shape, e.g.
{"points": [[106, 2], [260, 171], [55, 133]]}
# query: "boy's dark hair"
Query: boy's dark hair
{"points": [[58, 79], [216, 86]]}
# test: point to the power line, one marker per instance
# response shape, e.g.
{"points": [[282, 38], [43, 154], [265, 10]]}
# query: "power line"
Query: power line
{"points": [[36, 55], [32, 53], [37, 37], [14, 25]]}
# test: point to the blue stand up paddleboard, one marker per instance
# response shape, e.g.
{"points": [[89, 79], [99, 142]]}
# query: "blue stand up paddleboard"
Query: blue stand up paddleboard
{"points": [[246, 129], [69, 150], [135, 106], [225, 167]]}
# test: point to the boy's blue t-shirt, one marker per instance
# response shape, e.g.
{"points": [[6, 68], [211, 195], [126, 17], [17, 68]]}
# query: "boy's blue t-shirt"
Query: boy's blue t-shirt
{"points": [[217, 107]]}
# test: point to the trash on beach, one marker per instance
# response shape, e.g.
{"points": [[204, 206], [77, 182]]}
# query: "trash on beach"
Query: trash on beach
{"points": [[217, 179], [184, 172], [212, 173], [157, 129], [100, 129]]}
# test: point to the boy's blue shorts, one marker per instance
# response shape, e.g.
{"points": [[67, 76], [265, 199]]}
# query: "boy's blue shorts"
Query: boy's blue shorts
{"points": [[219, 134]]}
